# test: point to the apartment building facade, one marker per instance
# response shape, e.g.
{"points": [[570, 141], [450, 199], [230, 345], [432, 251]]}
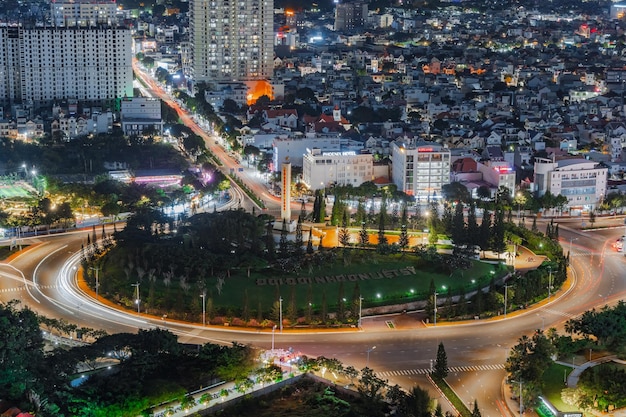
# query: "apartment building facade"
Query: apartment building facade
{"points": [[582, 181], [420, 169], [43, 65], [231, 40], [322, 168], [83, 12]]}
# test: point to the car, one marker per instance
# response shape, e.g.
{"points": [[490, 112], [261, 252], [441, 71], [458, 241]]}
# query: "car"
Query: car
{"points": [[619, 244]]}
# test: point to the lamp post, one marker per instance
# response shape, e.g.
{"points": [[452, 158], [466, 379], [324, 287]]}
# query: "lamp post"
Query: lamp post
{"points": [[506, 293], [137, 299], [368, 355], [280, 313], [521, 401], [97, 269], [273, 330], [203, 296], [549, 283], [435, 309], [571, 239], [360, 310]]}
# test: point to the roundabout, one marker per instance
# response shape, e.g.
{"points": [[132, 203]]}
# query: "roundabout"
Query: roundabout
{"points": [[476, 350]]}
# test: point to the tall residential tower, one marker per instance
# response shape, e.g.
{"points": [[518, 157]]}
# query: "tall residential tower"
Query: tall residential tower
{"points": [[43, 65], [231, 39]]}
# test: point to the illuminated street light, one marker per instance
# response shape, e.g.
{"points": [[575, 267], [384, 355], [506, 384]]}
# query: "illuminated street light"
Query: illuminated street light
{"points": [[368, 355], [203, 296], [137, 299]]}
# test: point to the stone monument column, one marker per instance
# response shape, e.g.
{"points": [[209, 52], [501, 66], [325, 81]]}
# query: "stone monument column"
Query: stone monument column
{"points": [[285, 200]]}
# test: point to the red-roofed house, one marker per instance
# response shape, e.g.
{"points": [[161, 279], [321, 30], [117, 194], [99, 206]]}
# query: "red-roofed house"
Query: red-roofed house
{"points": [[328, 123], [282, 117]]}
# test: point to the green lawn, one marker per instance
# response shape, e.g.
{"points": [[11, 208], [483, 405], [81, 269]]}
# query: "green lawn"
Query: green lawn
{"points": [[14, 190], [381, 280], [553, 384]]}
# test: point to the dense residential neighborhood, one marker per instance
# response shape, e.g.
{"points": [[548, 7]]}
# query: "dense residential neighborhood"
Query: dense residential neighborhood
{"points": [[182, 171], [534, 98]]}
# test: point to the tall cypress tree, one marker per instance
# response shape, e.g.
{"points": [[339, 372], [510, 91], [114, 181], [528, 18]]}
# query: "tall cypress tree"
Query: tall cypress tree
{"points": [[472, 225], [298, 241], [458, 227], [484, 234], [403, 241], [382, 239], [446, 219], [475, 410], [282, 245], [322, 209], [344, 234], [269, 238], [360, 215], [363, 236], [316, 208], [497, 233], [441, 363]]}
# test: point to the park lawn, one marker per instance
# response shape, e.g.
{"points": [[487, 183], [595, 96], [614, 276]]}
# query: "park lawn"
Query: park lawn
{"points": [[14, 191], [391, 280], [553, 385]]}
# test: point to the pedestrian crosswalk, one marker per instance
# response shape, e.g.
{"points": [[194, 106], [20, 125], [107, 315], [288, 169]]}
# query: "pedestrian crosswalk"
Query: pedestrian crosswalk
{"points": [[21, 288], [559, 313], [472, 368]]}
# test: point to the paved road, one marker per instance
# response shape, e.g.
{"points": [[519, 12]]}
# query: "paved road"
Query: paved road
{"points": [[476, 351]]}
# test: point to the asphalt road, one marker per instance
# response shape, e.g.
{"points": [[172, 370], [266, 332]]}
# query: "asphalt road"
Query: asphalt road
{"points": [[476, 351]]}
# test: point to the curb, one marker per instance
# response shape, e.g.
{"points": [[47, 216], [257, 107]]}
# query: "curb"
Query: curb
{"points": [[442, 394]]}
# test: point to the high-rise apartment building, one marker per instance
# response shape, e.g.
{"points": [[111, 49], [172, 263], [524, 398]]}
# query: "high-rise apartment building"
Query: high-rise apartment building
{"points": [[42, 65], [83, 12], [231, 39], [350, 16]]}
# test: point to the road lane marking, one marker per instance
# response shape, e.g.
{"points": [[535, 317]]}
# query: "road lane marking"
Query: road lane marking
{"points": [[424, 371]]}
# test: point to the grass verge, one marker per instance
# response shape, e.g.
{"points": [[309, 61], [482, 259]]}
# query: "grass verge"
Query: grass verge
{"points": [[553, 384], [452, 397]]}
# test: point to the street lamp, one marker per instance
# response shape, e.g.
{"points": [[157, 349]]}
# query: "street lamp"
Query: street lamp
{"points": [[273, 330], [571, 239], [506, 293], [360, 310], [521, 402], [97, 269], [280, 313], [550, 284], [368, 355], [435, 309], [137, 299], [203, 296]]}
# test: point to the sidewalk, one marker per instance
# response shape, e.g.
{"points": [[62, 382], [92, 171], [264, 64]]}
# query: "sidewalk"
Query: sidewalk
{"points": [[512, 403], [574, 376]]}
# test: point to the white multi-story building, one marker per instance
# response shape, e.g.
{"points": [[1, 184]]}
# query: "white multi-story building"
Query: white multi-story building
{"points": [[141, 113], [322, 168], [583, 182], [420, 169], [83, 12], [295, 147], [231, 39], [43, 65]]}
